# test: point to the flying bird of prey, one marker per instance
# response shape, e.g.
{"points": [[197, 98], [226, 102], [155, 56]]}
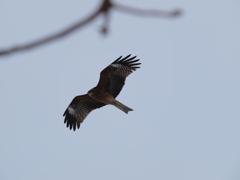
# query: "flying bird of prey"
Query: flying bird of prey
{"points": [[112, 80]]}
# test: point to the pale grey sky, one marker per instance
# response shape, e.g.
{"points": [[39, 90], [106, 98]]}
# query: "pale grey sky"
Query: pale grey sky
{"points": [[186, 121]]}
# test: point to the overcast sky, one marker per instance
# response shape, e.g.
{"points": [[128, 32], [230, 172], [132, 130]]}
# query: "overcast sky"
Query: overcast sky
{"points": [[186, 121]]}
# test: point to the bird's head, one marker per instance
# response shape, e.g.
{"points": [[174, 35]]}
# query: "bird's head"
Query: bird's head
{"points": [[91, 91]]}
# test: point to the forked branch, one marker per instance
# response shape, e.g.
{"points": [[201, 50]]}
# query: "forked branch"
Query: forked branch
{"points": [[105, 7]]}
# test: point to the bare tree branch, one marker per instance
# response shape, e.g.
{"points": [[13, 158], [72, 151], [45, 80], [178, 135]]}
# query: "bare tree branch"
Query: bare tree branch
{"points": [[104, 9]]}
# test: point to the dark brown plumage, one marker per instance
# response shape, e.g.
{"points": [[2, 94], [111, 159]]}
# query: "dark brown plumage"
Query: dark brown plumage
{"points": [[112, 80]]}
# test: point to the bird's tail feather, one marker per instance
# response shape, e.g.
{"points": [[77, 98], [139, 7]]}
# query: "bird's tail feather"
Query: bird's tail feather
{"points": [[121, 106]]}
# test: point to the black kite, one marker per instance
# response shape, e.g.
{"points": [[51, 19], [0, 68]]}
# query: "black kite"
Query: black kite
{"points": [[112, 80]]}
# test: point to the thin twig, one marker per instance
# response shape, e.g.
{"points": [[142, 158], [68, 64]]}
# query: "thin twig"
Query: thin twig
{"points": [[104, 9], [143, 12], [106, 22]]}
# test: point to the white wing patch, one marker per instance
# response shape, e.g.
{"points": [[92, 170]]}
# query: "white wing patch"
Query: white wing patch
{"points": [[115, 65], [71, 110]]}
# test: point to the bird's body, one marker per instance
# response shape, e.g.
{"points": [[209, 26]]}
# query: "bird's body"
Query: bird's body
{"points": [[105, 97], [112, 79], [101, 95]]}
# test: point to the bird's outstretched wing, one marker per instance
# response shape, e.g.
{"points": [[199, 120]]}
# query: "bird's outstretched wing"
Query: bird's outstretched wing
{"points": [[78, 110], [113, 77]]}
